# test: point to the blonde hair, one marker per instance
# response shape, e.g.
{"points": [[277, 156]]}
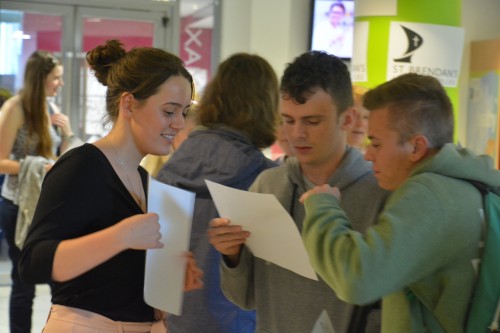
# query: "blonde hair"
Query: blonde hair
{"points": [[358, 91], [417, 104]]}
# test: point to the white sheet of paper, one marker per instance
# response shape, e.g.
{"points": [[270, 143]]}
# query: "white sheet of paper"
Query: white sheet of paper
{"points": [[166, 267], [323, 324], [274, 235]]}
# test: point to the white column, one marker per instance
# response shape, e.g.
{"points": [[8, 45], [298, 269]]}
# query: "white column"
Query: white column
{"points": [[277, 30]]}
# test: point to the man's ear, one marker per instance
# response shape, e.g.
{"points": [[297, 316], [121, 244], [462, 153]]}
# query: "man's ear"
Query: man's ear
{"points": [[126, 102], [347, 119], [421, 148]]}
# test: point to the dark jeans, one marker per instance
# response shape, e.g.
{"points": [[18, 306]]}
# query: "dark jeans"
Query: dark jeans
{"points": [[22, 294]]}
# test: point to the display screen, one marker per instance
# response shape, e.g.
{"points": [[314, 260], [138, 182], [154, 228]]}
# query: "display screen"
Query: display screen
{"points": [[332, 27]]}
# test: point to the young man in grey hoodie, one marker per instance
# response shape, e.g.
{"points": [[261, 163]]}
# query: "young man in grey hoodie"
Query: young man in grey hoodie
{"points": [[316, 108]]}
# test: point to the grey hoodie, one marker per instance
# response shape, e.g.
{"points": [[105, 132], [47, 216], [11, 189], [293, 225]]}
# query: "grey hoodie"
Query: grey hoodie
{"points": [[285, 301]]}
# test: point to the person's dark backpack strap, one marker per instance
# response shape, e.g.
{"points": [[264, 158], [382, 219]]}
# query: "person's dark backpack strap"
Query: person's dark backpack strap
{"points": [[364, 317]]}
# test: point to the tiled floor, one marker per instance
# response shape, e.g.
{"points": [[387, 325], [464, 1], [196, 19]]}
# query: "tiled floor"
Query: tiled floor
{"points": [[40, 308]]}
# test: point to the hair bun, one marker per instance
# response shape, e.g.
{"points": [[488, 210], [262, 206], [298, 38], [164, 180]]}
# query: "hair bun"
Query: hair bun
{"points": [[102, 58]]}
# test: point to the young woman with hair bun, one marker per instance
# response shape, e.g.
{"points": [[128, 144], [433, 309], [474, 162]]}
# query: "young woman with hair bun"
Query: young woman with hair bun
{"points": [[91, 229]]}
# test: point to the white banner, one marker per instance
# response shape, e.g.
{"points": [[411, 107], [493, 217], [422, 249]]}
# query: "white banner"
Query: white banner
{"points": [[359, 70], [428, 49]]}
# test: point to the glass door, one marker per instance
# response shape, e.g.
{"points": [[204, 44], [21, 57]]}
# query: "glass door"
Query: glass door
{"points": [[25, 29], [133, 29], [69, 30]]}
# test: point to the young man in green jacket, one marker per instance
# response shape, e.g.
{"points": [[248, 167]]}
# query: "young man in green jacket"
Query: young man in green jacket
{"points": [[419, 255]]}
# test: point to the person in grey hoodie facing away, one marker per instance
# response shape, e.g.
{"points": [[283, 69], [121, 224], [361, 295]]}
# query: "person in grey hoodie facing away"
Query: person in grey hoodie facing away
{"points": [[237, 117], [317, 109]]}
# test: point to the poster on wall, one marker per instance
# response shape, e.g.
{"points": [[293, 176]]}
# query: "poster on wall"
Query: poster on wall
{"points": [[428, 49], [195, 49], [482, 116], [483, 109], [359, 70]]}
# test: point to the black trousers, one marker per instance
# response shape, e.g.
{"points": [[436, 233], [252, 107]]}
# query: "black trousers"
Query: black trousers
{"points": [[22, 294]]}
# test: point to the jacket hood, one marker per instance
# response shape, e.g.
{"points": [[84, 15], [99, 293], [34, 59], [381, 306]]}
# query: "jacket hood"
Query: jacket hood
{"points": [[221, 154], [352, 167], [457, 162]]}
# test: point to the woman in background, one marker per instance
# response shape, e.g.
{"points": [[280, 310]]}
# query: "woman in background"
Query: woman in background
{"points": [[29, 128], [237, 115], [91, 229], [357, 135], [283, 144], [5, 94]]}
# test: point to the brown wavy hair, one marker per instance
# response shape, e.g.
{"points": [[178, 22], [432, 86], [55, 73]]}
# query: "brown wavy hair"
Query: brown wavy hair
{"points": [[244, 95], [140, 71], [34, 99]]}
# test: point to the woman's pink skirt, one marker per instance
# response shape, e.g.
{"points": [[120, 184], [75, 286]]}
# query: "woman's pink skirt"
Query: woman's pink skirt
{"points": [[64, 319]]}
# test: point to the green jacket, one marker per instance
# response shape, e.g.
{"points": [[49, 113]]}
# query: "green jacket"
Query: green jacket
{"points": [[425, 238]]}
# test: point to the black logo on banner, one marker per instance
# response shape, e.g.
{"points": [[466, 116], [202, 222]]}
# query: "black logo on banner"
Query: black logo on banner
{"points": [[414, 42]]}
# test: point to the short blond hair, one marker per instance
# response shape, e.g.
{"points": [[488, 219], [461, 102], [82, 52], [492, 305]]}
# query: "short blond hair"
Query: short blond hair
{"points": [[418, 104], [358, 91]]}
